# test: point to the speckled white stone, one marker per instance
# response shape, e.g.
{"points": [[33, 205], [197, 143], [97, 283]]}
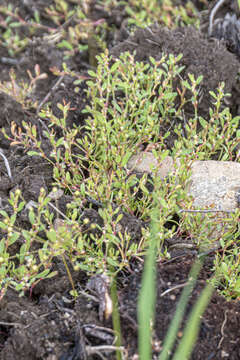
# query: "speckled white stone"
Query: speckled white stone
{"points": [[212, 183]]}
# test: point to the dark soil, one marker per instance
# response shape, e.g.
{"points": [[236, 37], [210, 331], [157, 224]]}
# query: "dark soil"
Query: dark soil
{"points": [[47, 323]]}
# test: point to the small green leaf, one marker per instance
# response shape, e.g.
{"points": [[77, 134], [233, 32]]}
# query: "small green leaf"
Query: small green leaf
{"points": [[59, 142], [203, 122], [15, 24], [33, 153], [112, 262], [31, 217], [2, 246], [65, 44], [4, 213], [42, 275], [114, 67], [22, 254], [13, 219], [68, 177], [92, 73], [13, 238], [3, 225], [51, 234], [213, 94], [21, 206], [51, 275], [199, 79], [74, 293]]}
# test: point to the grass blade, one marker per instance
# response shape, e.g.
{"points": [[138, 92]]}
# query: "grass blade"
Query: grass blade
{"points": [[175, 323], [116, 318], [191, 330], [146, 303]]}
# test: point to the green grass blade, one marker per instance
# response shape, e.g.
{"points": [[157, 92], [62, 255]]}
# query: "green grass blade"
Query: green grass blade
{"points": [[146, 303], [116, 318], [175, 323], [191, 330]]}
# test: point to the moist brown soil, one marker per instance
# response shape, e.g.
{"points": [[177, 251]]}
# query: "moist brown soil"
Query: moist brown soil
{"points": [[47, 323]]}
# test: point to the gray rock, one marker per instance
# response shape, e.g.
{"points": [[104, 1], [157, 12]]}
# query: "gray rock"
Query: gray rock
{"points": [[145, 162], [213, 185]]}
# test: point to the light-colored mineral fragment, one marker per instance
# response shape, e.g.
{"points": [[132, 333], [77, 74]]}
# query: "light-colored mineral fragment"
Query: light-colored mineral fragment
{"points": [[145, 161], [213, 185]]}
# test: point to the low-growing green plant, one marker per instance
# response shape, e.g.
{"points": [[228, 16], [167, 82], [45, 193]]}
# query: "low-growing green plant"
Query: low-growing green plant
{"points": [[131, 104], [227, 268], [59, 12], [21, 91], [111, 136], [25, 268], [166, 13], [12, 39], [72, 29]]}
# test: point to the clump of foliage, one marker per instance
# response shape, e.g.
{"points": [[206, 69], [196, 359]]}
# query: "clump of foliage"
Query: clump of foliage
{"points": [[111, 135], [130, 102], [72, 30], [168, 13]]}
